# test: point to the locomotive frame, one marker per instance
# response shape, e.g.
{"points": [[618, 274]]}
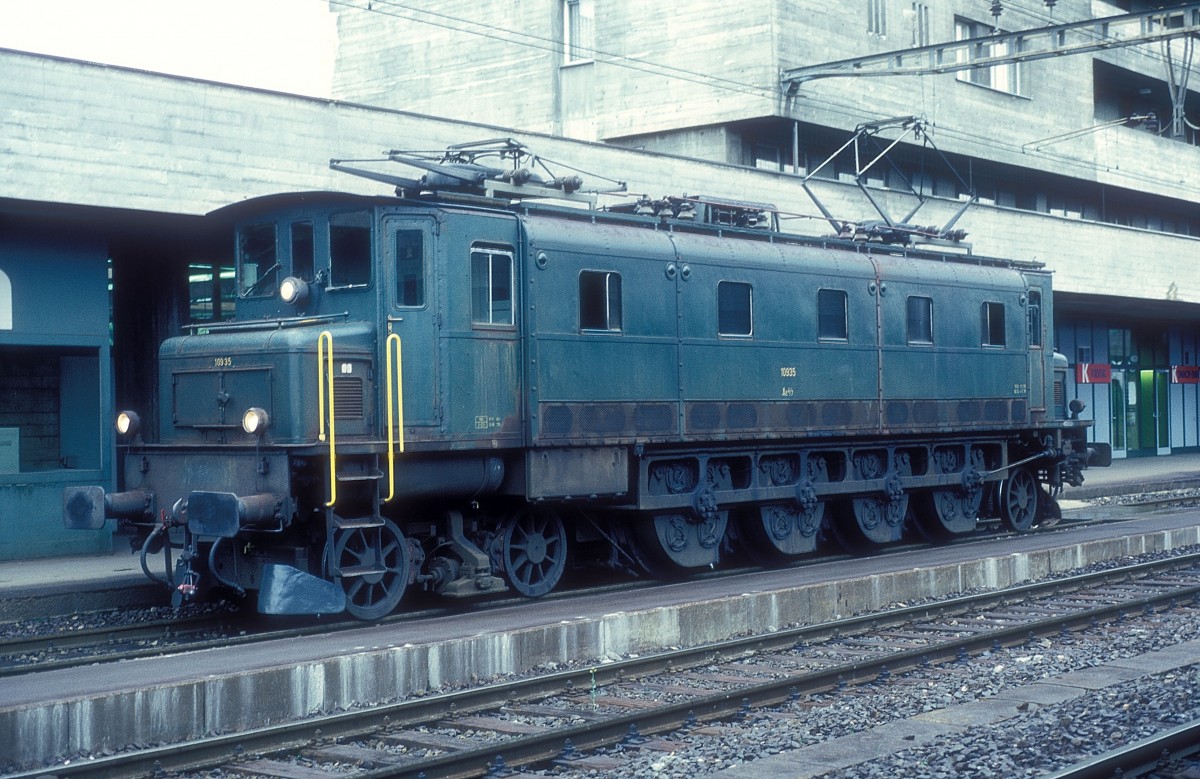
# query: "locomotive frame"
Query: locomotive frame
{"points": [[467, 388]]}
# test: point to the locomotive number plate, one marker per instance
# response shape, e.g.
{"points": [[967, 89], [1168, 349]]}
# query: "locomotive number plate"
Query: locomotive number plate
{"points": [[788, 372], [222, 362]]}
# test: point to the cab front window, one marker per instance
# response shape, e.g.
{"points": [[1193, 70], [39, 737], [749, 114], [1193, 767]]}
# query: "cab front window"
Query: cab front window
{"points": [[258, 262]]}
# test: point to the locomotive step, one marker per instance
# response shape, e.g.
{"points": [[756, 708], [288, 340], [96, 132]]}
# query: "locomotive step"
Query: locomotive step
{"points": [[372, 476], [351, 523]]}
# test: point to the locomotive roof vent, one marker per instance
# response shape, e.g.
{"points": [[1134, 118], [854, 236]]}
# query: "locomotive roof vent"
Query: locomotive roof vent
{"points": [[499, 169]]}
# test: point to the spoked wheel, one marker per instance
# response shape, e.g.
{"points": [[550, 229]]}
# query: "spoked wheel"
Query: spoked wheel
{"points": [[1019, 500], [780, 531], [534, 551], [371, 564], [667, 545]]}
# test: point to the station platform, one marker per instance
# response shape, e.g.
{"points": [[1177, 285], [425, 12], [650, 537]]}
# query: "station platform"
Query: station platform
{"points": [[120, 573], [1130, 475]]}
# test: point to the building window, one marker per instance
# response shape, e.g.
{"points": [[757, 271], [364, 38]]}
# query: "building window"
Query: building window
{"points": [[993, 324], [410, 268], [1034, 312], [832, 316], [51, 416], [920, 35], [767, 157], [350, 249], [734, 311], [599, 300], [491, 285], [579, 36], [210, 292], [920, 320], [877, 17], [1005, 78]]}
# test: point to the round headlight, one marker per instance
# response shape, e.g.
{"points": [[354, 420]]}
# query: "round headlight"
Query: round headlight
{"points": [[128, 423], [255, 421], [293, 291]]}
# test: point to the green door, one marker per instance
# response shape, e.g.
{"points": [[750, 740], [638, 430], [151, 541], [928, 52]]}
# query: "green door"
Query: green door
{"points": [[1152, 417]]}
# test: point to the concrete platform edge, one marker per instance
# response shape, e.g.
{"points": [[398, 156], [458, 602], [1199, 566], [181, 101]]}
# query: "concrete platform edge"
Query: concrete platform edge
{"points": [[50, 732]]}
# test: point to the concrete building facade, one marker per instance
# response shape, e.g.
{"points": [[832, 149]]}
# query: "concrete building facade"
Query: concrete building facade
{"points": [[1073, 159]]}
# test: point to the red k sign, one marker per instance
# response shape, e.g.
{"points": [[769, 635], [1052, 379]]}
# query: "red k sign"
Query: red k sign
{"points": [[1093, 373], [1185, 374]]}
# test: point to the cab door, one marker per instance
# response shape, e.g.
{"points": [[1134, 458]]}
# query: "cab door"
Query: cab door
{"points": [[411, 313]]}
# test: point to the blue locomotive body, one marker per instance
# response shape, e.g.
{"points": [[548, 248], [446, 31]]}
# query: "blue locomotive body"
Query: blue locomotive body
{"points": [[464, 396]]}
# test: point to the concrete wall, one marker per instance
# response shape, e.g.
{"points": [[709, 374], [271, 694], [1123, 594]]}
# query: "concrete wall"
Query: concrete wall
{"points": [[102, 136]]}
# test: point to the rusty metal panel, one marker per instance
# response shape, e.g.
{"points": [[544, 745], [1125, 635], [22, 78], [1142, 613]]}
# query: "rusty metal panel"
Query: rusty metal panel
{"points": [[577, 472]]}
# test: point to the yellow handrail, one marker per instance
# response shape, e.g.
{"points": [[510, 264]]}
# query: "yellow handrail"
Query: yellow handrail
{"points": [[395, 398], [322, 357]]}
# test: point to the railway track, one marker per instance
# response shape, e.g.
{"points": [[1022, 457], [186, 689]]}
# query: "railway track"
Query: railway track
{"points": [[1172, 753], [72, 646], [574, 717]]}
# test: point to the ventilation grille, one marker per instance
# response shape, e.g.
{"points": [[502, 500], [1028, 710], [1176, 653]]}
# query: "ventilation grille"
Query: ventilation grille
{"points": [[347, 397]]}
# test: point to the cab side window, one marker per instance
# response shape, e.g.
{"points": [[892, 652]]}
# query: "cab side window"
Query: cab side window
{"points": [[993, 324], [350, 249], [920, 320], [735, 309], [491, 285], [833, 323], [599, 300]]}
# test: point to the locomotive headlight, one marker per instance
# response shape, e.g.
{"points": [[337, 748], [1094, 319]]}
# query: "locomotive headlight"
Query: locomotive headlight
{"points": [[293, 291], [255, 421], [128, 423]]}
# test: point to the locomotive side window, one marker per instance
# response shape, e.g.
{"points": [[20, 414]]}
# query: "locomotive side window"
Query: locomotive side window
{"points": [[302, 250], [920, 320], [1034, 312], [993, 324], [599, 300], [258, 265], [735, 315], [833, 323], [350, 249], [491, 286], [410, 268]]}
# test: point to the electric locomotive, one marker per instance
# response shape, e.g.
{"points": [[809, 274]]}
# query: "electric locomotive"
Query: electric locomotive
{"points": [[466, 387]]}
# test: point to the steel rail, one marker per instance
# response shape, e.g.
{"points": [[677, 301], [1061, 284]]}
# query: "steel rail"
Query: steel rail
{"points": [[1137, 759], [215, 750]]}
